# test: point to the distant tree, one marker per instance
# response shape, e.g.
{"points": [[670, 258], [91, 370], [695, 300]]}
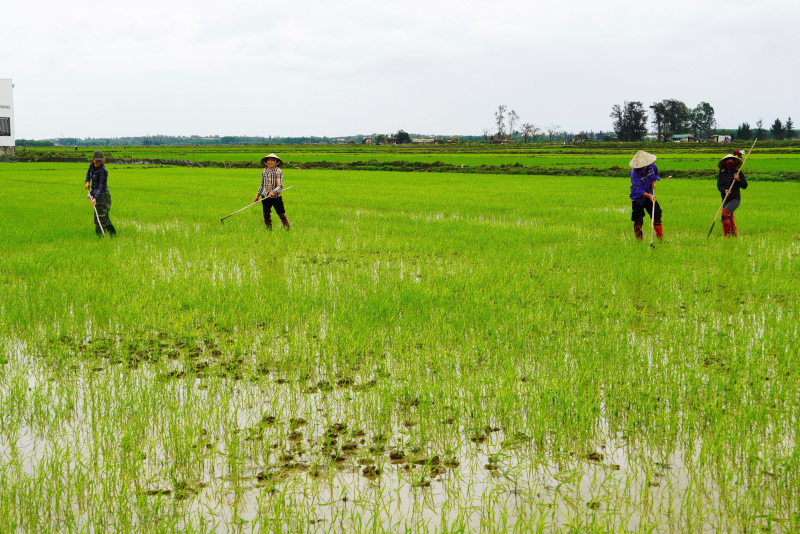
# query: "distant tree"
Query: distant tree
{"points": [[499, 118], [743, 132], [512, 119], [630, 121], [703, 119], [606, 138], [789, 131], [380, 139], [402, 137], [228, 140], [529, 130], [659, 118], [777, 130], [760, 134], [552, 130], [672, 117], [486, 133]]}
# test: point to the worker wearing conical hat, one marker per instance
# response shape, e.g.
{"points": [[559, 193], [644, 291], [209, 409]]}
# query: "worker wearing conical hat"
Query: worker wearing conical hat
{"points": [[644, 175], [730, 182], [270, 190]]}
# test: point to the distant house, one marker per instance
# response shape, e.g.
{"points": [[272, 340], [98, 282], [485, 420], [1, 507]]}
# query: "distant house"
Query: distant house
{"points": [[424, 140], [7, 134], [683, 138], [367, 141], [499, 140], [580, 138], [650, 137], [720, 138]]}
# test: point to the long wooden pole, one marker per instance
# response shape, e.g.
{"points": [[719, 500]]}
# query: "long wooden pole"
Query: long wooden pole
{"points": [[653, 219], [98, 220], [731, 187], [222, 220]]}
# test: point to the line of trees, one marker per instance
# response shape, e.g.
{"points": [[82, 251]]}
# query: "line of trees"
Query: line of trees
{"points": [[669, 117], [505, 122], [779, 130]]}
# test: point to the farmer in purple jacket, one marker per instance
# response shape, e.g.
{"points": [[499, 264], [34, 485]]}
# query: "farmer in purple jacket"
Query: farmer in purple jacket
{"points": [[643, 184]]}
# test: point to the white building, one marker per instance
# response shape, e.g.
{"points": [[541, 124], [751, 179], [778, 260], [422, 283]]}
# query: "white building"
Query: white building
{"points": [[7, 137]]}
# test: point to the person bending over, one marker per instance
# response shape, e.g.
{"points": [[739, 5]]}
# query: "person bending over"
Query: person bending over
{"points": [[643, 185], [97, 185]]}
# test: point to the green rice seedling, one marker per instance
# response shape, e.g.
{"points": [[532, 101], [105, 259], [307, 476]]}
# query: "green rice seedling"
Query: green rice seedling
{"points": [[421, 352]]}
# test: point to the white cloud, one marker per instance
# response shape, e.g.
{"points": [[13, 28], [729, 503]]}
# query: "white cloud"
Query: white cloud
{"points": [[312, 67]]}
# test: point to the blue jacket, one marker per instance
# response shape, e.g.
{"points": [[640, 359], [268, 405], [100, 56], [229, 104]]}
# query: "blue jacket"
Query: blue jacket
{"points": [[99, 178], [642, 182]]}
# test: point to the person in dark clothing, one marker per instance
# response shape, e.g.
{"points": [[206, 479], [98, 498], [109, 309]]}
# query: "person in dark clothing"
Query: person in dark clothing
{"points": [[270, 190], [730, 182], [643, 185], [97, 185]]}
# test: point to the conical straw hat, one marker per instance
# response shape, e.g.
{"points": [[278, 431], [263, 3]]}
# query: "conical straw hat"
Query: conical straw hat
{"points": [[738, 166], [264, 160], [642, 159]]}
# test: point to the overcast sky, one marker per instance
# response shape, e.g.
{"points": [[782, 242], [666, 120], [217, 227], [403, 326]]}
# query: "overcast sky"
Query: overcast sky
{"points": [[96, 69]]}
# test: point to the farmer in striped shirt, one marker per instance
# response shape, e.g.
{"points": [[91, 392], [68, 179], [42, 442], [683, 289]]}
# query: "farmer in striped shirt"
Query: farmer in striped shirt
{"points": [[270, 190]]}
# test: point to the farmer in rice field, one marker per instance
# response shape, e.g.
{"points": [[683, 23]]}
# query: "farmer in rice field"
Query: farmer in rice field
{"points": [[97, 185], [271, 187], [729, 183], [643, 185]]}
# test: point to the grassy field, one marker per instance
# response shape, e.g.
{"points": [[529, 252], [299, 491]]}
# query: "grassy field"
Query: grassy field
{"points": [[422, 352], [773, 160]]}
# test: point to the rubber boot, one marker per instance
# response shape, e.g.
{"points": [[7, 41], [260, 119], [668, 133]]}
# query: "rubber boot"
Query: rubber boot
{"points": [[637, 228], [727, 225], [734, 231], [285, 221], [268, 221], [110, 230], [659, 229]]}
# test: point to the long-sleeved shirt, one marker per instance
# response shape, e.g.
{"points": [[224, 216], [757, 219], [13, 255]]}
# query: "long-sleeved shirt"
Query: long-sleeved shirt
{"points": [[642, 182], [724, 181], [271, 180], [98, 176]]}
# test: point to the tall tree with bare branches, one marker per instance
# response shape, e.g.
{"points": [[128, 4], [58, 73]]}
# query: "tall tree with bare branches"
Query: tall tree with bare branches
{"points": [[529, 130], [500, 119], [513, 118], [551, 130]]}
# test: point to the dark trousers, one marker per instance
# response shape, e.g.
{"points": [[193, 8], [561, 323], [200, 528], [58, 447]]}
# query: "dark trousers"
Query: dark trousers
{"points": [[103, 206], [277, 203], [639, 209], [274, 202]]}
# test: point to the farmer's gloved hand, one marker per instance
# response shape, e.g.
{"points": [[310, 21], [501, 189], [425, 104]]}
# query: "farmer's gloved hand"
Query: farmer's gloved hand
{"points": [[94, 202], [727, 191]]}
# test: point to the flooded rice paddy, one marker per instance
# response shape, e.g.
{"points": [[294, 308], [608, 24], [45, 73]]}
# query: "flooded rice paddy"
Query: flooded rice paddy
{"points": [[512, 363]]}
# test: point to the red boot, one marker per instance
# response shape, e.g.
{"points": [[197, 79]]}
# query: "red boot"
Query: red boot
{"points": [[637, 228], [285, 221], [727, 222], [268, 221], [659, 230], [733, 226]]}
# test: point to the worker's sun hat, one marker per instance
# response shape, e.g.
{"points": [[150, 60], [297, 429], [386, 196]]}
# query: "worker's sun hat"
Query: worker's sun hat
{"points": [[279, 162], [98, 156], [642, 159], [731, 156]]}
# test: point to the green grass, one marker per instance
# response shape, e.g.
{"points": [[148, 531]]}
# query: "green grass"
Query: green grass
{"points": [[772, 160], [543, 369]]}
